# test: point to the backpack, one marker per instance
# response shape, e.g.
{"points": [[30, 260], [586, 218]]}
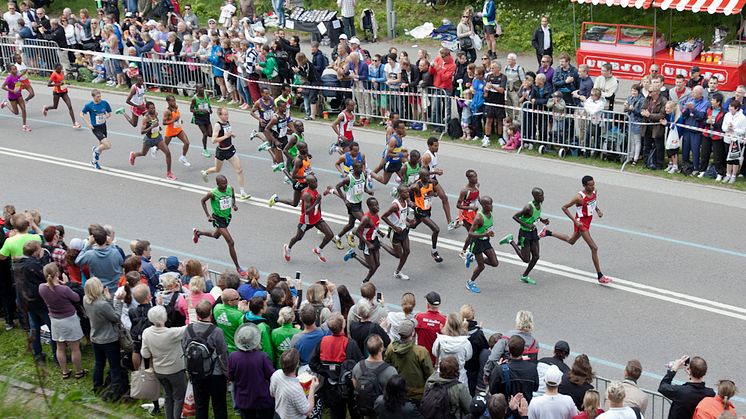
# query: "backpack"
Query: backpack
{"points": [[436, 403], [200, 356], [318, 308], [141, 324], [368, 388], [174, 318], [454, 128]]}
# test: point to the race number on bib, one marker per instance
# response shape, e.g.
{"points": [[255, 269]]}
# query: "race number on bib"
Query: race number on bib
{"points": [[225, 202], [100, 118], [427, 202]]}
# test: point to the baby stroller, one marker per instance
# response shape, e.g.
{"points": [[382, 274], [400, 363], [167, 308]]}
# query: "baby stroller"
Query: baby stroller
{"points": [[369, 25]]}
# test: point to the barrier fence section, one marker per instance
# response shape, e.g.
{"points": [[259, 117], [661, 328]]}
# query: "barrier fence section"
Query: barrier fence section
{"points": [[39, 55]]}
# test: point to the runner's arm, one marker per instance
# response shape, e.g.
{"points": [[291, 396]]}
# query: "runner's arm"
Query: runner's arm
{"points": [[335, 125], [208, 196], [461, 198], [167, 115], [145, 126], [525, 212], [85, 118], [267, 129], [193, 105], [292, 140], [339, 187], [387, 214], [478, 222], [130, 96], [254, 111], [391, 147], [233, 199], [338, 165], [599, 212], [215, 131], [566, 208]]}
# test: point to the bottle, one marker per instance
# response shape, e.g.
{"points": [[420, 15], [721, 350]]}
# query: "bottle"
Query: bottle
{"points": [[670, 52]]}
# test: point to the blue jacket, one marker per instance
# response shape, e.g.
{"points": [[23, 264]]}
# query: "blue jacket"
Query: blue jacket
{"points": [[488, 12], [696, 116], [378, 75], [362, 70], [105, 264], [319, 63], [634, 114]]}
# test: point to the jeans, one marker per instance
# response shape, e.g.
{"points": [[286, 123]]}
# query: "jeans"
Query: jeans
{"points": [[308, 95], [348, 24], [37, 318], [243, 91], [103, 352], [691, 141], [279, 7], [174, 386], [215, 388]]}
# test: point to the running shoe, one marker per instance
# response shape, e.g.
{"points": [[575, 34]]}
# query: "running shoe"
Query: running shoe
{"points": [[401, 275], [278, 167], [528, 280], [243, 196], [485, 143], [286, 252], [462, 255], [132, 158], [453, 225], [507, 239], [338, 242], [221, 100], [204, 175], [264, 146], [543, 232], [272, 200], [26, 128], [153, 151], [328, 190], [119, 111], [45, 110], [195, 236], [170, 176], [206, 153], [332, 148], [3, 105], [351, 240], [469, 259], [394, 192], [95, 164], [604, 280], [436, 257], [94, 154], [242, 272], [76, 125], [253, 134], [319, 254], [184, 161], [349, 255], [472, 286]]}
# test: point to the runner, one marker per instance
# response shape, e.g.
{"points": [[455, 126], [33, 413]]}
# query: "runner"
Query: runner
{"points": [[276, 133], [301, 168], [342, 127], [201, 110], [310, 217], [396, 218], [59, 91], [15, 101], [394, 153], [430, 160], [345, 161], [262, 111], [151, 131], [136, 100], [410, 172], [350, 190], [223, 136], [423, 195], [585, 204], [291, 149], [467, 206], [23, 72], [222, 201], [368, 233], [527, 247], [172, 121], [98, 111], [480, 233], [393, 117]]}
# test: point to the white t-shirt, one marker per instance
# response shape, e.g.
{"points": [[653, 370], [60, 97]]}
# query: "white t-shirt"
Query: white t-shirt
{"points": [[619, 413], [226, 13], [558, 406], [290, 400], [12, 19]]}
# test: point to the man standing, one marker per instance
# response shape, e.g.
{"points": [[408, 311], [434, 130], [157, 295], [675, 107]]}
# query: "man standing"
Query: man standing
{"points": [[104, 260], [367, 387], [615, 394], [552, 405], [522, 375], [305, 341], [542, 40], [694, 110], [56, 33], [490, 26], [685, 397], [229, 315], [561, 352], [29, 275], [695, 78], [494, 102], [411, 360], [12, 17], [284, 387], [514, 75], [429, 323], [634, 397], [608, 84], [565, 79], [347, 7]]}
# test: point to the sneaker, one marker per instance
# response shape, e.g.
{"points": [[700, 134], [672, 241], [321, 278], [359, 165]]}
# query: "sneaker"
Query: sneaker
{"points": [[436, 257], [95, 164], [351, 240], [468, 259], [242, 273], [349, 255], [170, 176], [3, 104], [485, 143], [26, 128], [401, 275], [253, 134], [507, 239], [132, 159], [329, 190], [732, 180], [9, 326], [264, 146], [332, 148], [244, 106], [119, 111], [94, 154], [286, 252], [45, 110], [76, 125], [726, 179], [338, 242], [243, 196], [472, 286], [452, 225], [153, 152], [278, 167], [719, 178], [670, 165], [604, 280], [543, 232], [694, 173], [272, 200], [700, 175], [205, 154], [195, 236], [221, 100], [528, 280], [308, 118], [204, 175], [319, 254], [184, 161]]}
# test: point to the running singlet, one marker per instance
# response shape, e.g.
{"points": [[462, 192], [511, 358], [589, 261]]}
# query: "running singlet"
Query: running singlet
{"points": [[345, 127], [530, 220], [315, 215], [174, 128], [202, 105], [411, 174], [305, 165], [293, 151], [13, 82], [139, 97], [423, 201], [155, 132], [349, 160], [397, 150], [280, 129], [97, 112], [399, 219], [588, 207], [56, 77], [225, 128], [222, 202], [486, 226], [369, 231], [22, 71], [471, 197], [433, 162], [265, 111], [355, 189]]}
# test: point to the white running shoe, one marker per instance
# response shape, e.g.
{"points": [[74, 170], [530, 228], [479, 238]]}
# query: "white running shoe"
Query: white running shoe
{"points": [[153, 151], [184, 161], [401, 275], [719, 178]]}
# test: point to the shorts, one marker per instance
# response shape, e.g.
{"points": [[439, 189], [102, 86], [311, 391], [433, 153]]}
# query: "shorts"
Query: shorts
{"points": [[366, 249], [525, 238], [467, 216], [354, 207], [497, 112], [283, 142], [392, 166], [136, 346], [99, 131], [670, 152], [137, 111], [201, 119], [67, 329], [220, 222], [586, 224], [480, 246], [25, 84], [344, 143], [298, 186], [59, 95], [490, 29], [400, 237], [421, 213], [305, 227], [733, 162], [149, 142], [225, 153]]}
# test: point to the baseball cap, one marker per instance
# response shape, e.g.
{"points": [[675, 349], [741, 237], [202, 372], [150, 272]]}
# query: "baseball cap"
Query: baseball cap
{"points": [[172, 263], [262, 294], [433, 298], [694, 69], [343, 36], [478, 405], [563, 346], [553, 376], [212, 21], [76, 244], [133, 65], [406, 328], [354, 40]]}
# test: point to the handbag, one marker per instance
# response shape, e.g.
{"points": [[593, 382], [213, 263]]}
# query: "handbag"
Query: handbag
{"points": [[144, 385], [672, 139], [465, 43], [125, 339]]}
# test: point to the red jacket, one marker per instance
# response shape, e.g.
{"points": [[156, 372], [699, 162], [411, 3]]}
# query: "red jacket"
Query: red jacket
{"points": [[429, 324], [445, 68]]}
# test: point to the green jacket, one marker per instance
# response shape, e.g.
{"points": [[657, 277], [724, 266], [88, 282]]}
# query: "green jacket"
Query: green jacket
{"points": [[263, 326], [281, 338], [228, 319], [413, 363], [458, 394], [269, 67]]}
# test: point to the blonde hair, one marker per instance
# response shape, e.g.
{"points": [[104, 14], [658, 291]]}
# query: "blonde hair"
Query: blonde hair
{"points": [[315, 294], [253, 275], [94, 290], [455, 325], [408, 302], [467, 312], [169, 281], [615, 392], [51, 272], [286, 316], [591, 402], [197, 284], [524, 321]]}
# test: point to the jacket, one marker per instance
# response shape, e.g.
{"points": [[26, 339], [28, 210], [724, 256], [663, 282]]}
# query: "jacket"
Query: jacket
{"points": [[407, 411], [163, 344], [537, 41], [215, 340], [359, 333], [657, 112], [489, 12], [711, 408], [272, 314], [102, 316], [319, 63], [478, 342], [29, 275], [445, 68], [379, 312], [459, 395], [541, 95], [523, 379], [458, 346], [696, 116], [57, 35], [263, 326], [500, 350], [716, 125], [281, 338], [333, 349], [105, 264], [559, 82], [684, 397], [413, 364]]}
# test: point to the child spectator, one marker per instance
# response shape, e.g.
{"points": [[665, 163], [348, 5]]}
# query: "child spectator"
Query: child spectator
{"points": [[507, 122], [99, 70], [514, 137], [673, 142]]}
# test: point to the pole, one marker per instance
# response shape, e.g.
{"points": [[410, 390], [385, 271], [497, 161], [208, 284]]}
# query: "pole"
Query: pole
{"points": [[390, 19], [655, 30], [574, 27]]}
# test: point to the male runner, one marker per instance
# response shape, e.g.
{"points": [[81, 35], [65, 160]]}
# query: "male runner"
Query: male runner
{"points": [[345, 161], [310, 217], [136, 100], [201, 110], [370, 245], [430, 160], [468, 198], [527, 247], [480, 233], [350, 190], [423, 195], [151, 131], [396, 218], [291, 149], [262, 111], [172, 121], [393, 117], [59, 91], [276, 133], [222, 137], [98, 111], [585, 204], [301, 168], [342, 127], [394, 153], [222, 201]]}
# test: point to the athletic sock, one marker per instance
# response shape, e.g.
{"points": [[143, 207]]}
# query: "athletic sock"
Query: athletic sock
{"points": [[433, 250], [548, 233], [336, 237], [243, 192], [600, 275]]}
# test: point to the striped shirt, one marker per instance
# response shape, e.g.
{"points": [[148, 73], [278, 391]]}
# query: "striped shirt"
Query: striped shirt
{"points": [[290, 400]]}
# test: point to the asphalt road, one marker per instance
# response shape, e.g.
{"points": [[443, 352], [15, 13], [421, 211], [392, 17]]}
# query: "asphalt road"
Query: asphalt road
{"points": [[675, 250]]}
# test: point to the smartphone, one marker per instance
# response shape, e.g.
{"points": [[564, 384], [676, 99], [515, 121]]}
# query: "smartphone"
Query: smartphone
{"points": [[297, 275], [284, 278], [379, 295], [323, 282]]}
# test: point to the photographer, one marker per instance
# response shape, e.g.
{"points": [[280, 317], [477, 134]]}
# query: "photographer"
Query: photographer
{"points": [[685, 397]]}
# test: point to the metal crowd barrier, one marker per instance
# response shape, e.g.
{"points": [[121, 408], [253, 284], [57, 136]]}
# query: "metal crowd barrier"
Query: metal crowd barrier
{"points": [[39, 55], [658, 404]]}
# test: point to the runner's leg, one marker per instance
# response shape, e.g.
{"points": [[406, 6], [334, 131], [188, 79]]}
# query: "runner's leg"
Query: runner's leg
{"points": [[184, 142], [231, 245], [142, 152], [534, 251], [404, 255], [479, 257], [444, 199], [69, 104], [298, 237], [55, 102], [217, 168], [594, 249], [523, 252], [323, 227], [434, 228], [206, 132], [162, 146], [31, 92], [22, 105], [236, 163], [296, 199], [568, 239]]}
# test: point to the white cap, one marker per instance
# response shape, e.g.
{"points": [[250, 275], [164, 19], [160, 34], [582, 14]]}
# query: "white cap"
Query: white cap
{"points": [[151, 22], [343, 36], [354, 40], [553, 376]]}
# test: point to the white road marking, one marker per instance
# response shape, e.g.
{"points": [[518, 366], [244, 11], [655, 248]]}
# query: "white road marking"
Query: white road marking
{"points": [[568, 272]]}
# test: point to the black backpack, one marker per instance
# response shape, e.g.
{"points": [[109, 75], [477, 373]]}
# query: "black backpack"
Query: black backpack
{"points": [[368, 388], [436, 403], [454, 128], [339, 379], [140, 321], [174, 318], [200, 356]]}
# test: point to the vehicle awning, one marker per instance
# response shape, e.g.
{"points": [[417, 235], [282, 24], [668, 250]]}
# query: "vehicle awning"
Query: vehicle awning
{"points": [[638, 4], [726, 7]]}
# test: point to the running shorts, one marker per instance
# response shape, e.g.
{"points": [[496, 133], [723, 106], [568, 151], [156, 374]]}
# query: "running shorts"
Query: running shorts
{"points": [[201, 119], [421, 213], [220, 222], [392, 166], [138, 111], [672, 152], [25, 83], [586, 224], [152, 142], [305, 227], [60, 94], [299, 186], [351, 208], [480, 246], [99, 131], [496, 112], [283, 142], [366, 249], [525, 238], [344, 142], [467, 216], [400, 237], [225, 153]]}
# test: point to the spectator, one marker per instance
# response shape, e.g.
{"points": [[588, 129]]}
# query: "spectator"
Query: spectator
{"points": [[490, 26], [712, 407], [143, 250], [248, 9], [542, 41], [250, 370], [634, 397], [561, 352], [229, 315], [393, 403], [680, 90], [494, 99], [447, 375], [524, 327], [445, 68], [453, 341], [695, 78], [685, 397], [591, 406], [608, 84], [12, 17], [104, 338], [290, 400], [257, 308], [307, 340], [29, 276], [552, 405], [464, 32], [632, 106], [617, 410], [711, 142], [734, 126], [375, 363], [276, 298], [393, 319], [545, 68], [12, 248], [478, 344], [139, 319], [378, 310], [429, 323], [522, 374], [283, 334], [362, 330], [514, 75], [566, 79], [593, 108], [411, 361], [196, 294], [739, 97], [652, 112], [694, 113], [539, 97], [347, 10], [578, 380], [123, 298]]}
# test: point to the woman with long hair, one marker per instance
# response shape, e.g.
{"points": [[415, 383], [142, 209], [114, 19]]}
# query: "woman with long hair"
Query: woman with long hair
{"points": [[123, 297], [578, 381], [247, 290], [393, 403], [104, 338], [591, 406], [453, 340], [15, 101], [713, 407], [345, 300]]}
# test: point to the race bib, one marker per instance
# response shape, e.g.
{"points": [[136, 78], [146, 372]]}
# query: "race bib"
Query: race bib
{"points": [[155, 132], [412, 178], [177, 123], [227, 128], [591, 207], [100, 118], [358, 189], [283, 131], [267, 115], [225, 202], [204, 107], [427, 202]]}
